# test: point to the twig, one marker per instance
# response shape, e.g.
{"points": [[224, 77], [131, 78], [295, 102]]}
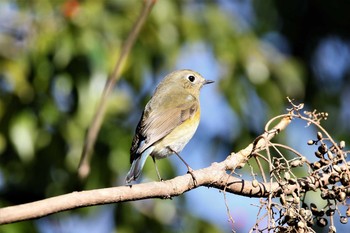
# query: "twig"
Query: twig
{"points": [[260, 168], [90, 139]]}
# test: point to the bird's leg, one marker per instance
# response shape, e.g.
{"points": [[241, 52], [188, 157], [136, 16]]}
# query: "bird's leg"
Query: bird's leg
{"points": [[155, 164], [189, 169]]}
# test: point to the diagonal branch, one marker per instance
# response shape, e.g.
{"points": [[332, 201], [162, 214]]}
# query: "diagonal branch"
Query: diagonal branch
{"points": [[215, 176], [84, 164]]}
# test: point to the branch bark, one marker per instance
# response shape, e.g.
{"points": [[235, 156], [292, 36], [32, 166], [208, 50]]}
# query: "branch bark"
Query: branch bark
{"points": [[215, 176]]}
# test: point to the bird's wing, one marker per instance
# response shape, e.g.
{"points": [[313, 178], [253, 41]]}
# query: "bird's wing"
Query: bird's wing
{"points": [[153, 127]]}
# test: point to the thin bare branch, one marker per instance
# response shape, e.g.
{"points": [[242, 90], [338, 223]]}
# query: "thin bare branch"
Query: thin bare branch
{"points": [[90, 139], [260, 168]]}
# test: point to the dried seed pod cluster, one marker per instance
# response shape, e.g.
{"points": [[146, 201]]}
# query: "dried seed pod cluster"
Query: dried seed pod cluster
{"points": [[327, 173], [331, 162], [296, 215]]}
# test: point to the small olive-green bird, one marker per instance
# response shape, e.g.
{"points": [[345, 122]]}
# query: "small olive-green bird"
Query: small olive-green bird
{"points": [[169, 120]]}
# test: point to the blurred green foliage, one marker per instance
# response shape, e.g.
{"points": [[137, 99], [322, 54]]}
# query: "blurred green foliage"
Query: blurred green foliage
{"points": [[55, 57]]}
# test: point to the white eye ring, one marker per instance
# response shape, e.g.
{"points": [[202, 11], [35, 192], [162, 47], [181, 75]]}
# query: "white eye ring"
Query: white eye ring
{"points": [[191, 78]]}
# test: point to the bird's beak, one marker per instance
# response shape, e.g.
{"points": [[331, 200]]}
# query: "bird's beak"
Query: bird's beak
{"points": [[208, 82]]}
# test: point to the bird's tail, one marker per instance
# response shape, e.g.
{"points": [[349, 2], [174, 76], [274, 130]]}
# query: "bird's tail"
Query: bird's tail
{"points": [[137, 165]]}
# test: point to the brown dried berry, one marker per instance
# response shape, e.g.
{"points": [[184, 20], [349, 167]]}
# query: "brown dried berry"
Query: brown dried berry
{"points": [[343, 219], [316, 165], [344, 179], [339, 154], [302, 212], [324, 194], [313, 207], [347, 191], [319, 136], [324, 162], [347, 212], [301, 224], [330, 212], [332, 229], [323, 148], [337, 168], [331, 194], [318, 155], [341, 196], [333, 178], [310, 142], [322, 222], [320, 213]]}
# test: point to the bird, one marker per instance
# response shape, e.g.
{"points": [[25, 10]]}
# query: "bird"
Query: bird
{"points": [[168, 122]]}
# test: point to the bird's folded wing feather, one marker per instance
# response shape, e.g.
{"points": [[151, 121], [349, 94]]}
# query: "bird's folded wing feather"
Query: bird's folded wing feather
{"points": [[154, 127]]}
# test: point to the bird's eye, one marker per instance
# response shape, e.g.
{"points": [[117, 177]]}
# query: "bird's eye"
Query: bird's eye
{"points": [[191, 78]]}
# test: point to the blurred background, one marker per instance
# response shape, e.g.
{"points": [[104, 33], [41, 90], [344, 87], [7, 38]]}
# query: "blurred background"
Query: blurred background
{"points": [[55, 57]]}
